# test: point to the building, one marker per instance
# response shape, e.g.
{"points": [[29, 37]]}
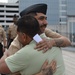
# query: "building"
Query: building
{"points": [[67, 18], [61, 15], [12, 1], [71, 19], [7, 10]]}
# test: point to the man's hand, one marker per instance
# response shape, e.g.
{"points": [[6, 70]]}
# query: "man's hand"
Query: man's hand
{"points": [[45, 44], [48, 69]]}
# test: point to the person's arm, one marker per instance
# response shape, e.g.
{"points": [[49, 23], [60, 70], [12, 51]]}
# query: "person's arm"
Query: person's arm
{"points": [[60, 41], [3, 67], [56, 40]]}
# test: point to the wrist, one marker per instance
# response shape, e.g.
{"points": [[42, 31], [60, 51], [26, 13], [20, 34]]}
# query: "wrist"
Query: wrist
{"points": [[53, 42]]}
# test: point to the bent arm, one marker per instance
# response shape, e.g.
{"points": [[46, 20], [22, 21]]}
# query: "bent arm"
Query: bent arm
{"points": [[58, 40], [61, 42]]}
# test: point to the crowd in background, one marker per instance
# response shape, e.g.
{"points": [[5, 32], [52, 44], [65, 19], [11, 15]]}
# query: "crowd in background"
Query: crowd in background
{"points": [[7, 36]]}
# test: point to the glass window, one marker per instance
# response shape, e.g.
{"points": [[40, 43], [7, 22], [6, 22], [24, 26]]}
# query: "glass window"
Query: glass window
{"points": [[74, 19], [63, 8], [63, 19], [73, 27], [64, 2], [63, 14], [70, 27]]}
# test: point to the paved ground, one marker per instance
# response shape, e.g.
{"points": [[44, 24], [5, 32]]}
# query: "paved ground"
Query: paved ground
{"points": [[69, 60]]}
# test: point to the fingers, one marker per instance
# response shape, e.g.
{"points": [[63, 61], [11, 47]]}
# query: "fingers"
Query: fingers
{"points": [[45, 49], [48, 69], [53, 65], [45, 64], [43, 45]]}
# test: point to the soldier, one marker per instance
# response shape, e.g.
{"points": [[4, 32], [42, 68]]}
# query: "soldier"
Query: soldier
{"points": [[12, 30], [2, 40]]}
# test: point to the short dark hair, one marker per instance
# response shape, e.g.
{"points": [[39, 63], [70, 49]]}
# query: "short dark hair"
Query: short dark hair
{"points": [[15, 16], [28, 25]]}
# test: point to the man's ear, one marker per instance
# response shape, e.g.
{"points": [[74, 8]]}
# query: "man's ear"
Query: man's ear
{"points": [[24, 37], [27, 38]]}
